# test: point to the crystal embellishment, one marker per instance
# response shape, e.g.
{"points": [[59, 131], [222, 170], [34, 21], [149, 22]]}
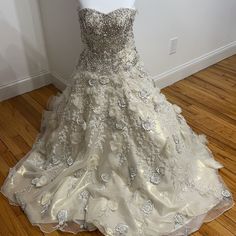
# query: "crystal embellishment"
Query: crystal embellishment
{"points": [[70, 161], [121, 103], [122, 229], [120, 125], [143, 94], [155, 178], [226, 193], [84, 195], [147, 207], [62, 217], [147, 124]]}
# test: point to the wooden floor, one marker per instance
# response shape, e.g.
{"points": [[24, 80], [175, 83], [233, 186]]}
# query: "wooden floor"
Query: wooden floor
{"points": [[208, 101]]}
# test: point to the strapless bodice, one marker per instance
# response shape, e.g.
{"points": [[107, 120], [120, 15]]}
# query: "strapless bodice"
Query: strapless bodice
{"points": [[108, 39]]}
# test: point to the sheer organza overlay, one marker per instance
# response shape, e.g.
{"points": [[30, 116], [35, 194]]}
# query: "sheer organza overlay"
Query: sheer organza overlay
{"points": [[112, 153]]}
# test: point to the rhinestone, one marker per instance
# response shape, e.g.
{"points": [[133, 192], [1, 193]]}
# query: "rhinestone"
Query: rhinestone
{"points": [[104, 80], [144, 94], [84, 194], [147, 125], [120, 125], [226, 193], [155, 178], [160, 170], [122, 228], [122, 103], [62, 216], [147, 207], [105, 177], [179, 219], [70, 161], [92, 82]]}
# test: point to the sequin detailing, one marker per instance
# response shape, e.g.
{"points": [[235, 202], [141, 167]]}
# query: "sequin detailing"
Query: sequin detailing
{"points": [[121, 229], [62, 217], [107, 49]]}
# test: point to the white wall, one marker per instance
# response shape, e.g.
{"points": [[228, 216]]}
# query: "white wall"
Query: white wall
{"points": [[205, 28], [62, 33], [23, 60]]}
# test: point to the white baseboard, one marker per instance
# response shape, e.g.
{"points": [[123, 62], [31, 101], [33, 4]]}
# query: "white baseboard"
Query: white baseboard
{"points": [[25, 85], [58, 81], [180, 72]]}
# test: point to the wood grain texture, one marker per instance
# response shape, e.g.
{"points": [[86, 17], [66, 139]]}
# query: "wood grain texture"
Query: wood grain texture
{"points": [[208, 102]]}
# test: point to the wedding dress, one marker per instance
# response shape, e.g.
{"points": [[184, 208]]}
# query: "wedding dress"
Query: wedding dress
{"points": [[112, 153]]}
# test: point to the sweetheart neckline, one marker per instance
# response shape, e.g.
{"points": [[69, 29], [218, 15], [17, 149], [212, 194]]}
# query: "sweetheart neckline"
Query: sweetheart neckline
{"points": [[103, 13]]}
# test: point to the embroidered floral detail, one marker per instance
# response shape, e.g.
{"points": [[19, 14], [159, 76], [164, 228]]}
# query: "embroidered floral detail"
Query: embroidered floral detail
{"points": [[121, 229], [147, 207]]}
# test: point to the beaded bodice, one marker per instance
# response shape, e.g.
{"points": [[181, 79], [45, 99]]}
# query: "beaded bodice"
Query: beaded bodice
{"points": [[108, 40]]}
